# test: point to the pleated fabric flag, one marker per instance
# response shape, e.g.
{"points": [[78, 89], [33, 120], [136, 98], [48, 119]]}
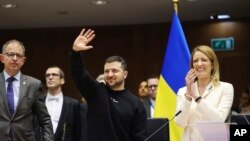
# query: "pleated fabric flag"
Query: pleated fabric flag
{"points": [[174, 70]]}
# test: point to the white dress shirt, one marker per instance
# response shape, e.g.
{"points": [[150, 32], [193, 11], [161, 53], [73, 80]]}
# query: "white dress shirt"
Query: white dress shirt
{"points": [[152, 107], [54, 107]]}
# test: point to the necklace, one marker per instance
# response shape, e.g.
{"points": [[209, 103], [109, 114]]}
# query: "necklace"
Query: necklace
{"points": [[202, 87], [201, 90]]}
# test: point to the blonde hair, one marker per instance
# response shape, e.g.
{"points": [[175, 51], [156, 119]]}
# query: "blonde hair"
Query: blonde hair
{"points": [[208, 51]]}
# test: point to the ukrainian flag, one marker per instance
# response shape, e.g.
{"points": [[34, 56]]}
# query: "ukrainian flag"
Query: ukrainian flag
{"points": [[174, 70]]}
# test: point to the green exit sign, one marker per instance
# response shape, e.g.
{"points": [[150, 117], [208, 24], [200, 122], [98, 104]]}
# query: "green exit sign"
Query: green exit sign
{"points": [[222, 44]]}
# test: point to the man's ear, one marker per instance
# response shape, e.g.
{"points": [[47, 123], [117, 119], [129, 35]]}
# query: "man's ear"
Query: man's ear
{"points": [[24, 59], [62, 81], [125, 74], [1, 57]]}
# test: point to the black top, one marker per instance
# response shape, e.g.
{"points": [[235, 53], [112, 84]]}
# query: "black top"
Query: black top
{"points": [[69, 125], [112, 115], [71, 122]]}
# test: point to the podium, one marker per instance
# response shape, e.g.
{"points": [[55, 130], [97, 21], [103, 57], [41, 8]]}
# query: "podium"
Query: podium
{"points": [[158, 129], [210, 131], [240, 119]]}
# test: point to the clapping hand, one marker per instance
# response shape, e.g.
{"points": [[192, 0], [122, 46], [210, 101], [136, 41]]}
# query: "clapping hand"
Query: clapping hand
{"points": [[81, 42], [191, 87]]}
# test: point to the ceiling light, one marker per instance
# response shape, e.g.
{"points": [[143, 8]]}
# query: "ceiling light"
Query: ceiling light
{"points": [[9, 5], [100, 2], [223, 17], [219, 17]]}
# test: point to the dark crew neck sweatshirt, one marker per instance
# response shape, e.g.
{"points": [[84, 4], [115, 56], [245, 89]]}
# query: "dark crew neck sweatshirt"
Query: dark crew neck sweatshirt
{"points": [[112, 115]]}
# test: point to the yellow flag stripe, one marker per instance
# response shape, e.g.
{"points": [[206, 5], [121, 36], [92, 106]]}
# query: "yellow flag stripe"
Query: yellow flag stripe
{"points": [[166, 103]]}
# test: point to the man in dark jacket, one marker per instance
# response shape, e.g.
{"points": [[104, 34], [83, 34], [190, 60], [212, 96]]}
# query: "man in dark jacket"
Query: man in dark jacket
{"points": [[64, 111]]}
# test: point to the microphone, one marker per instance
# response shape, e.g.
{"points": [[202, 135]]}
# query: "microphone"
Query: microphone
{"points": [[163, 126], [176, 114]]}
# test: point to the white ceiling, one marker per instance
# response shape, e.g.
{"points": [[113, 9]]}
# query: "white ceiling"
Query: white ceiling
{"points": [[45, 13]]}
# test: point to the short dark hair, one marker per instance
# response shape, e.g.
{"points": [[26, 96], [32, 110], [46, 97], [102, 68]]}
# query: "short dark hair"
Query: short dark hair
{"points": [[153, 76], [118, 59], [61, 73]]}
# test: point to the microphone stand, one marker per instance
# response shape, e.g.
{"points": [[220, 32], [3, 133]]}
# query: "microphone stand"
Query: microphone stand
{"points": [[246, 119], [162, 126]]}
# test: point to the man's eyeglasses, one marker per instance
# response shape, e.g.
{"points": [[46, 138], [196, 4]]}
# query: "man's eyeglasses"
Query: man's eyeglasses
{"points": [[12, 55], [152, 86], [51, 74]]}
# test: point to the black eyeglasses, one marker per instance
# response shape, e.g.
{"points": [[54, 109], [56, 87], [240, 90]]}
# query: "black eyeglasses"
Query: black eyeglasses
{"points": [[12, 55], [51, 74], [152, 86]]}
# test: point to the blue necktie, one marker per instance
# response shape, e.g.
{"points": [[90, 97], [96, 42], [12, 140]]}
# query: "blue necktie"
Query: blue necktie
{"points": [[10, 95]]}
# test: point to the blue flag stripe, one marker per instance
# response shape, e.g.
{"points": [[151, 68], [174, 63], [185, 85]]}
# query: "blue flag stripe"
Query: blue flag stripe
{"points": [[176, 61]]}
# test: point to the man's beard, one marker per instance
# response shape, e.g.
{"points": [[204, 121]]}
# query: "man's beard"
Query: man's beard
{"points": [[116, 84]]}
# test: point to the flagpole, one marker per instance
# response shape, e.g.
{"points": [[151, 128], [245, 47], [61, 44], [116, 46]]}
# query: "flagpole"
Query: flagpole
{"points": [[175, 2]]}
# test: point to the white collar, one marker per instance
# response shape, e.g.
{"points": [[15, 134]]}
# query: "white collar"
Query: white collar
{"points": [[17, 76], [152, 102], [56, 97]]}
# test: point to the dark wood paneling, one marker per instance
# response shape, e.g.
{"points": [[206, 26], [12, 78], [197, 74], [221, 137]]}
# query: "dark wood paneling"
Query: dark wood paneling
{"points": [[143, 46]]}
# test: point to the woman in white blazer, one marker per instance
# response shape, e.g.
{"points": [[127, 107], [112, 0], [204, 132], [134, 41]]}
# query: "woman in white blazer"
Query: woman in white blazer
{"points": [[205, 97]]}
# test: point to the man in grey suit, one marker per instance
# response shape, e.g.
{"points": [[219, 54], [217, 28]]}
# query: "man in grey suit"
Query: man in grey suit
{"points": [[21, 98]]}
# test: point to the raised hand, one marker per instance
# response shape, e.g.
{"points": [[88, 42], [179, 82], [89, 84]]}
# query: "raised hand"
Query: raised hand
{"points": [[81, 42]]}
